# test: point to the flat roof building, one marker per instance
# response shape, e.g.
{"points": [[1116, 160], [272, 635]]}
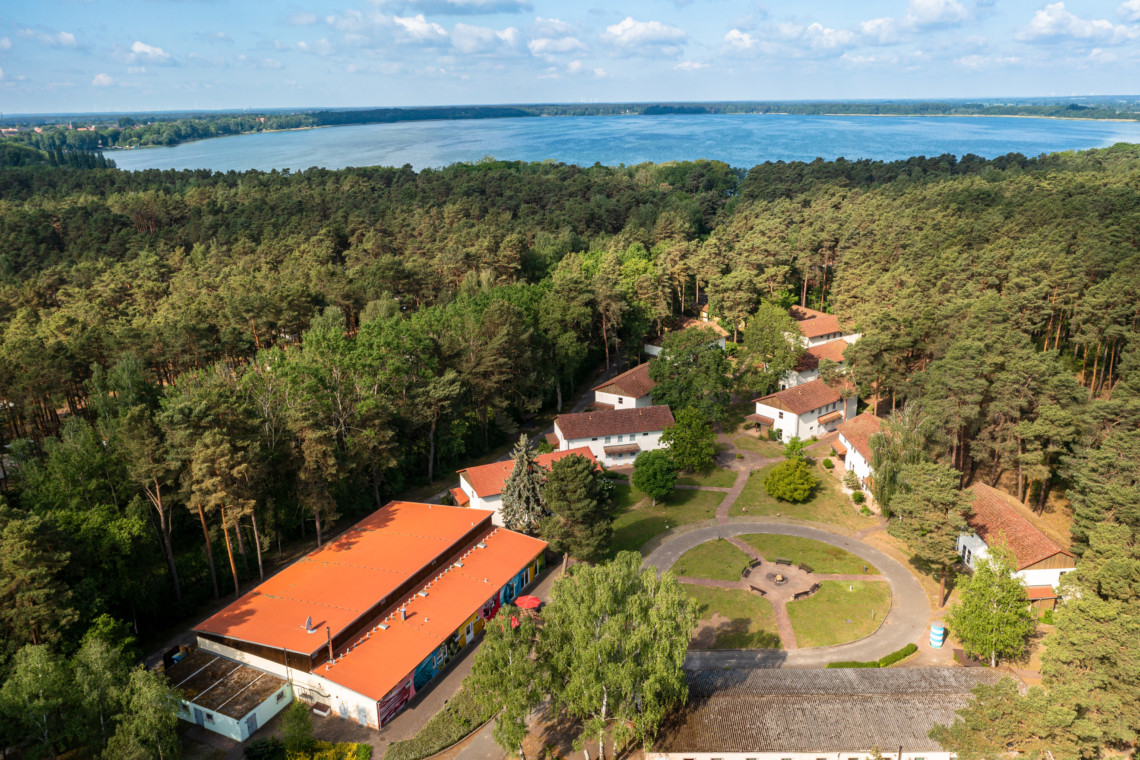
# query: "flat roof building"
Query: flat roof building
{"points": [[364, 622]]}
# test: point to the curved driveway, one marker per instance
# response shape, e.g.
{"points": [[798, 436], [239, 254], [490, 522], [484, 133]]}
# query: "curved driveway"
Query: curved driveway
{"points": [[905, 623]]}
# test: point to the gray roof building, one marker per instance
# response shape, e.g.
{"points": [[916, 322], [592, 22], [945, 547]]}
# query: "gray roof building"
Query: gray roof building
{"points": [[760, 713]]}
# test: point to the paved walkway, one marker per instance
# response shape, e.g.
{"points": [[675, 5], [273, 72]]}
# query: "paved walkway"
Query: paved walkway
{"points": [[905, 623]]}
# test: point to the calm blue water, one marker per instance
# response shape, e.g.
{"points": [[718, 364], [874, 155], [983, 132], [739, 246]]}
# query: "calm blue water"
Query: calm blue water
{"points": [[740, 140]]}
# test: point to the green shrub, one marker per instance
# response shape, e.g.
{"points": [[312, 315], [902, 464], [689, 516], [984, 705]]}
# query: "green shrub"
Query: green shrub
{"points": [[866, 511], [791, 481], [853, 664], [739, 455], [828, 464], [457, 719], [297, 728], [268, 748], [894, 657], [1047, 618], [858, 497], [851, 480], [773, 434], [363, 752]]}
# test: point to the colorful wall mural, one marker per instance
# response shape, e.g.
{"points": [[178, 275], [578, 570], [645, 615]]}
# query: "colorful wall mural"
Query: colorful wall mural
{"points": [[427, 670]]}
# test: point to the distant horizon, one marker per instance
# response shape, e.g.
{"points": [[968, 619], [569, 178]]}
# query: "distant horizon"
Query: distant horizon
{"points": [[1021, 100]]}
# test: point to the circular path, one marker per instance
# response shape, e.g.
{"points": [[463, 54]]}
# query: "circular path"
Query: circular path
{"points": [[904, 624]]}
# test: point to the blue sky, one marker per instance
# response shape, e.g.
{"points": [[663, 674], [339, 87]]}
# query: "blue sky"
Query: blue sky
{"points": [[111, 55]]}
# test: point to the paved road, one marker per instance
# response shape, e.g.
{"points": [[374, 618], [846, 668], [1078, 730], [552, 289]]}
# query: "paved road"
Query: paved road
{"points": [[905, 623]]}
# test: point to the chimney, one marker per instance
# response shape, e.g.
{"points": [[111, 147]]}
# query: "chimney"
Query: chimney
{"points": [[403, 613]]}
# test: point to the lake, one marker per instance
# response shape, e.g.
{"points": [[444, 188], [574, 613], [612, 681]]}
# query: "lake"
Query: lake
{"points": [[740, 140]]}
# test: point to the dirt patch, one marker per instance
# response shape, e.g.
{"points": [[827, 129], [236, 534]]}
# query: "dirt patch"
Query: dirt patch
{"points": [[707, 631]]}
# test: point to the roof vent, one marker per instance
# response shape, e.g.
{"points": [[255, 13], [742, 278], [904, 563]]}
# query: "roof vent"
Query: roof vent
{"points": [[383, 626], [403, 614], [481, 545], [458, 564], [308, 626], [421, 592]]}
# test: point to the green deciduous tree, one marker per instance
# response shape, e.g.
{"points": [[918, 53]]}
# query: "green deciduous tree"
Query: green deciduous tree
{"points": [[773, 346], [692, 371], [506, 678], [929, 515], [794, 448], [791, 480], [581, 508], [148, 724], [39, 685], [900, 441], [993, 619], [613, 643], [654, 474], [297, 727], [101, 673], [523, 508], [691, 441]]}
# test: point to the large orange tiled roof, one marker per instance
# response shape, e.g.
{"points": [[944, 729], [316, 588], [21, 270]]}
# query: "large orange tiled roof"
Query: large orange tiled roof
{"points": [[489, 479], [995, 520], [341, 581], [832, 349], [859, 429], [633, 382], [802, 398], [380, 659], [814, 323]]}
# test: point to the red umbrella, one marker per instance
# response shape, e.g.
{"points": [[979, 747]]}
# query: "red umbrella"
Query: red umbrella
{"points": [[528, 602]]}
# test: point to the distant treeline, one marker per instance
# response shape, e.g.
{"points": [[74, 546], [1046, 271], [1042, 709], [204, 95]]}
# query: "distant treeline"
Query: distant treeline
{"points": [[101, 133]]}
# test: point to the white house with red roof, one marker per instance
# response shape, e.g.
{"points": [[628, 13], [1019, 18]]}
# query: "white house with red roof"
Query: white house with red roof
{"points": [[615, 436], [1039, 561], [816, 326], [805, 411], [807, 369], [629, 390], [653, 347], [853, 445], [482, 487]]}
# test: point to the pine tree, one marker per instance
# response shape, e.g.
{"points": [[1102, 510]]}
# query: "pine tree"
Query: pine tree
{"points": [[993, 619], [578, 498], [36, 605], [523, 509], [931, 514]]}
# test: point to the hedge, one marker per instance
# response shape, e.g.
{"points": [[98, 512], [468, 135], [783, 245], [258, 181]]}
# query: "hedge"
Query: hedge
{"points": [[885, 661]]}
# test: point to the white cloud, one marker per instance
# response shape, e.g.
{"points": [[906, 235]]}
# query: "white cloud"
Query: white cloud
{"points": [[935, 12], [5, 44], [480, 39], [454, 7], [854, 59], [271, 63], [302, 19], [320, 47], [1054, 22], [881, 31], [549, 46], [140, 51], [821, 37], [635, 36], [574, 67], [550, 27], [600, 73], [739, 40], [419, 29], [690, 66], [1, 73], [102, 80], [1130, 10], [978, 62], [136, 69], [55, 39]]}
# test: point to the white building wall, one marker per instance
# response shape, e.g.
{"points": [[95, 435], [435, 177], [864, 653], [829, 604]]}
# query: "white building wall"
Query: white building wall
{"points": [[618, 401], [308, 687], [652, 350], [793, 378], [650, 441], [979, 550], [266, 710], [854, 460], [823, 339], [787, 423], [852, 754]]}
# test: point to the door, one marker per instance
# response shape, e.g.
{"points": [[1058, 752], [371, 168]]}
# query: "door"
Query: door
{"points": [[470, 632], [251, 725], [199, 717]]}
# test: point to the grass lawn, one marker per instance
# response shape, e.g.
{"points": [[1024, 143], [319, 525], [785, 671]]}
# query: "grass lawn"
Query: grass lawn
{"points": [[763, 447], [716, 560], [820, 557], [744, 620], [829, 505], [823, 618], [717, 478], [638, 521]]}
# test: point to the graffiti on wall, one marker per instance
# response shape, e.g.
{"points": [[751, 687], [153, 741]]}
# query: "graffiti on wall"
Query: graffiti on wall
{"points": [[396, 700]]}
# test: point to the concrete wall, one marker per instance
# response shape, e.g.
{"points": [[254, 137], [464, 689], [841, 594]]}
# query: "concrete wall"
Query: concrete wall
{"points": [[622, 402], [855, 461], [647, 441], [852, 754]]}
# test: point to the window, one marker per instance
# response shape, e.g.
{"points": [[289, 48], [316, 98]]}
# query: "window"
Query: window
{"points": [[608, 437], [781, 415], [593, 439], [643, 435], [280, 695], [621, 399], [209, 717], [620, 437]]}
